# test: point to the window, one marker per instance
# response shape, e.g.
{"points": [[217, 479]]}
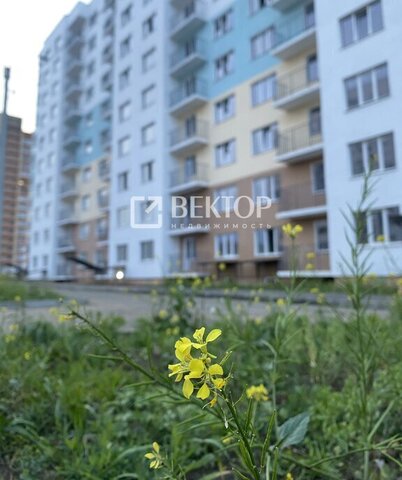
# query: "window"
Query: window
{"points": [[225, 198], [147, 172], [126, 15], [312, 69], [46, 235], [148, 134], [88, 147], [148, 97], [147, 214], [267, 187], [83, 231], [380, 225], [267, 241], [225, 153], [372, 154], [309, 16], [103, 197], [124, 146], [361, 23], [147, 250], [265, 139], [315, 121], [148, 60], [125, 111], [368, 86], [224, 65], [318, 177], [89, 120], [85, 202], [123, 217], [122, 182], [102, 229], [262, 42], [92, 19], [91, 68], [89, 95], [263, 90], [86, 174], [226, 245], [49, 185], [121, 253], [257, 5], [321, 235], [92, 43], [225, 109], [148, 26], [124, 78], [125, 47], [223, 24]]}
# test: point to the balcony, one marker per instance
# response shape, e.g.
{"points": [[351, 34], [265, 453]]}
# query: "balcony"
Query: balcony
{"points": [[189, 267], [108, 28], [72, 114], [107, 83], [188, 226], [67, 217], [75, 43], [73, 91], [182, 181], [68, 190], [187, 139], [188, 20], [296, 89], [306, 260], [74, 65], [103, 202], [283, 5], [188, 58], [104, 170], [294, 37], [69, 165], [300, 201], [102, 234], [71, 140], [188, 97], [106, 111], [107, 56], [300, 143], [64, 271], [65, 244]]}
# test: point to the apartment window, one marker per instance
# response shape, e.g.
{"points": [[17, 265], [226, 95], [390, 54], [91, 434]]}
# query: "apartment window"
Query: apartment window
{"points": [[126, 15], [147, 172], [368, 86], [321, 235], [268, 186], [225, 198], [88, 147], [122, 182], [49, 185], [124, 78], [123, 217], [312, 69], [147, 213], [309, 16], [148, 26], [225, 153], [125, 111], [91, 68], [267, 241], [89, 120], [262, 43], [223, 24], [315, 121], [263, 90], [257, 5], [83, 231], [47, 210], [45, 260], [148, 134], [92, 19], [224, 65], [89, 95], [226, 245], [103, 197], [265, 139], [361, 23], [85, 200], [148, 60], [125, 47], [148, 97], [121, 253], [318, 177], [225, 109], [86, 174], [373, 154], [124, 146], [92, 43], [147, 250], [379, 225]]}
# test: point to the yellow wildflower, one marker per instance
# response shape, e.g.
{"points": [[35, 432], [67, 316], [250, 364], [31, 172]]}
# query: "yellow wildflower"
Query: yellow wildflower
{"points": [[289, 476], [65, 317], [222, 267], [175, 319], [258, 320], [321, 298], [27, 355], [380, 238], [258, 393], [155, 457], [310, 256], [309, 266], [292, 231], [10, 338], [315, 290], [281, 302], [163, 314], [17, 298]]}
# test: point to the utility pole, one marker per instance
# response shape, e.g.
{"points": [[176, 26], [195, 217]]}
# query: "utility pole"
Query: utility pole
{"points": [[7, 73]]}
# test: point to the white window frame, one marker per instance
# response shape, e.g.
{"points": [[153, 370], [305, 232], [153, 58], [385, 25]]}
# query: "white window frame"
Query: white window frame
{"points": [[225, 109], [353, 16], [225, 153], [260, 144], [317, 225], [358, 78], [224, 24], [149, 253], [269, 186], [263, 90], [224, 65], [313, 178], [366, 160], [262, 43], [230, 243], [225, 197], [276, 250]]}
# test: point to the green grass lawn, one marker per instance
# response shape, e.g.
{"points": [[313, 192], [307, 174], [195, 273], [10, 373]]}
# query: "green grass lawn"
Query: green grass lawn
{"points": [[12, 289]]}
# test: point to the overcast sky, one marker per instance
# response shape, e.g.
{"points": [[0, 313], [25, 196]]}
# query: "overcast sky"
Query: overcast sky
{"points": [[24, 27]]}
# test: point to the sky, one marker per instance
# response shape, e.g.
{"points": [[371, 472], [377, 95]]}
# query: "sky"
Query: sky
{"points": [[24, 27]]}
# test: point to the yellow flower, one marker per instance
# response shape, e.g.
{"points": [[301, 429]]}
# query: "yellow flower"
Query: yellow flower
{"points": [[222, 267], [17, 298], [309, 266], [310, 256], [321, 298], [380, 238], [175, 319], [258, 393], [65, 318], [163, 314], [289, 476], [9, 338], [281, 302], [27, 355], [292, 231], [258, 320], [155, 457], [315, 290]]}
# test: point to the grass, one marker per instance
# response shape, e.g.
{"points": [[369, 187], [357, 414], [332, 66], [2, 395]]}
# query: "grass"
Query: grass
{"points": [[12, 289]]}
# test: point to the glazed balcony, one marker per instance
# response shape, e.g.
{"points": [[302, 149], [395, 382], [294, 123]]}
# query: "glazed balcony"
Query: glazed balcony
{"points": [[186, 140], [72, 114], [300, 143], [69, 165], [188, 97], [73, 91], [102, 234], [306, 260], [74, 65], [64, 271], [283, 5], [104, 170], [182, 181], [71, 140], [188, 58], [294, 36], [68, 190], [300, 201], [76, 43], [297, 88], [65, 244], [67, 216], [188, 20]]}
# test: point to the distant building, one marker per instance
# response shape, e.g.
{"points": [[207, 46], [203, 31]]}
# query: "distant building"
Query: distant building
{"points": [[15, 157]]}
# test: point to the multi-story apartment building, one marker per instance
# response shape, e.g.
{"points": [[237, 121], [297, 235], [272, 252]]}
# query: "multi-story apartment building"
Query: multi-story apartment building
{"points": [[208, 100], [15, 152]]}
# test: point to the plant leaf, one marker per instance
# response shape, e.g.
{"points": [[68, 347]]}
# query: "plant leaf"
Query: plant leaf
{"points": [[293, 431]]}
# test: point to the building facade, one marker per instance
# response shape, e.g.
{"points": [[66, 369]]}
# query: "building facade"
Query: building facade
{"points": [[215, 102]]}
